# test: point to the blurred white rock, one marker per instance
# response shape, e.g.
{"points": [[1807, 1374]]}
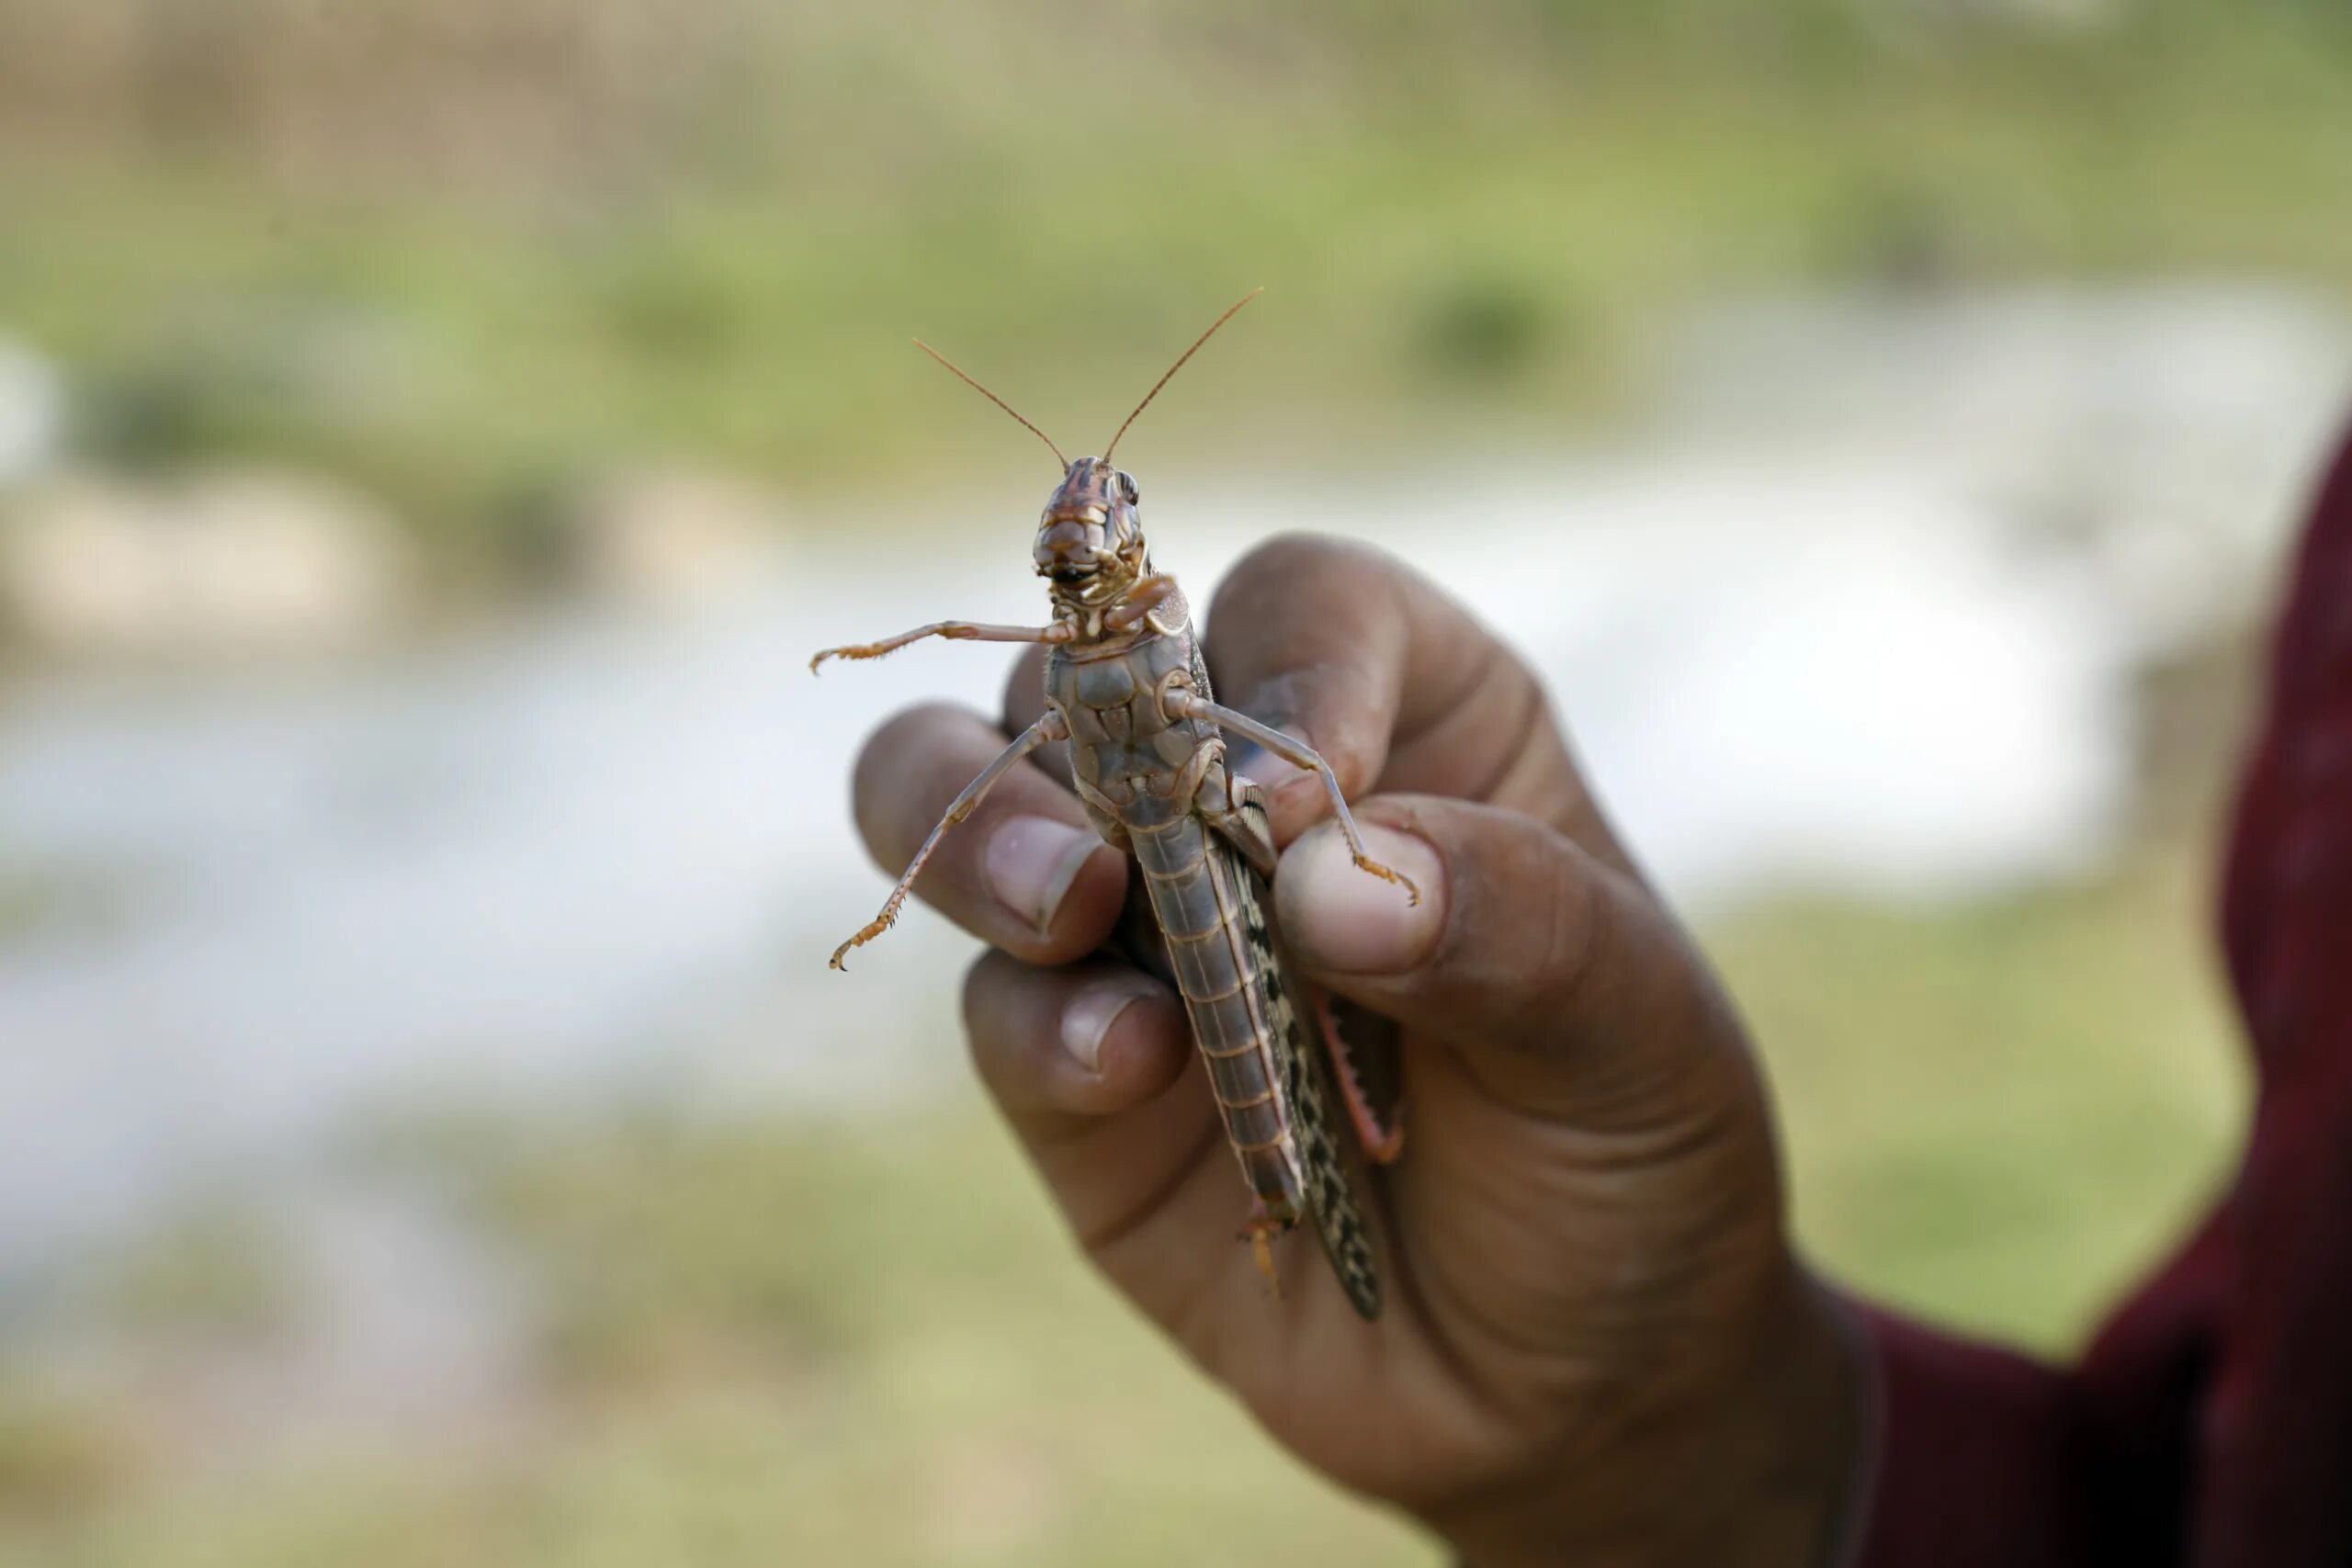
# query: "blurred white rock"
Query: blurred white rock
{"points": [[670, 539], [32, 414], [229, 562]]}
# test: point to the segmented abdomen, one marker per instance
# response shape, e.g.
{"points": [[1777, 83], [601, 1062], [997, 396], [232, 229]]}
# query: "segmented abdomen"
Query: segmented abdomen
{"points": [[1218, 975]]}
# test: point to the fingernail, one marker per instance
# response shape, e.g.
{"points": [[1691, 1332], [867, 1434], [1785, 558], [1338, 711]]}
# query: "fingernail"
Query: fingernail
{"points": [[1087, 1022], [1269, 771], [1031, 862], [1348, 920]]}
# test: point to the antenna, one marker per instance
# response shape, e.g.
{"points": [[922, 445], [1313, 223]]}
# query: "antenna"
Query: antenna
{"points": [[1008, 407], [1171, 370]]}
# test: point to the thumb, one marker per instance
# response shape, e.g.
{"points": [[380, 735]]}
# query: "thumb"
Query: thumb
{"points": [[1567, 988]]}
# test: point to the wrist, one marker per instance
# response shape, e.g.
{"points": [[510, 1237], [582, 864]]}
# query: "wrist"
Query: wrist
{"points": [[1757, 1468]]}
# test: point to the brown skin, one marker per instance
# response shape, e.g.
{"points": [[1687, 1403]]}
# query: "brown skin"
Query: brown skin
{"points": [[1599, 1346]]}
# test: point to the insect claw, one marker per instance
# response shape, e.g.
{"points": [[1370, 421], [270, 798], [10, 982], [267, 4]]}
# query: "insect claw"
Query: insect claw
{"points": [[855, 650], [868, 933], [1412, 894]]}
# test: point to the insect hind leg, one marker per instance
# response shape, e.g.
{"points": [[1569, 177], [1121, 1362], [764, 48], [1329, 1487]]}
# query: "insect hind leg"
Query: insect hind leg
{"points": [[1368, 1053]]}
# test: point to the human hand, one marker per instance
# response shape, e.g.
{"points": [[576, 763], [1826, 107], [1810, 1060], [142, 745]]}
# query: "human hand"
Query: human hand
{"points": [[1599, 1345]]}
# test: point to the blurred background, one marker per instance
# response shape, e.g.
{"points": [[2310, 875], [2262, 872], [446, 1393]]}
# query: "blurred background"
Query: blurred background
{"points": [[434, 433]]}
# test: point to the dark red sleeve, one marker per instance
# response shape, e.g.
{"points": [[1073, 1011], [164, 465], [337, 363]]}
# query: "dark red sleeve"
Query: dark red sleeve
{"points": [[2210, 1423]]}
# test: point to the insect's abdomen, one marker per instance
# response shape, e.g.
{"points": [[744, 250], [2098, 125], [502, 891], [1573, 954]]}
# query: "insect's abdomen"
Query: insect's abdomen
{"points": [[1217, 973]]}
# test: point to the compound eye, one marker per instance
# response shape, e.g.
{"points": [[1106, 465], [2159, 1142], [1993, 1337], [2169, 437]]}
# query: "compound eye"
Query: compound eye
{"points": [[1127, 492]]}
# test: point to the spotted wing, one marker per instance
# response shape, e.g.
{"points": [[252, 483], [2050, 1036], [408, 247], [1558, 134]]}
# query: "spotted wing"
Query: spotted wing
{"points": [[1303, 1069]]}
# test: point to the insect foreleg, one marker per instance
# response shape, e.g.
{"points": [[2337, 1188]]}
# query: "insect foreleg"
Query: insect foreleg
{"points": [[1049, 727], [1145, 597], [1191, 705], [967, 631]]}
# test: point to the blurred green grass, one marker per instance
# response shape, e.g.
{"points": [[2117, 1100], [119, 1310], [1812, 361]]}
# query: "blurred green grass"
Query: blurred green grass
{"points": [[462, 254], [867, 1342], [1998, 1114]]}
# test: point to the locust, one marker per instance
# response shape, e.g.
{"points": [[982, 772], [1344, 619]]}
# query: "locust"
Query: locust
{"points": [[1127, 689]]}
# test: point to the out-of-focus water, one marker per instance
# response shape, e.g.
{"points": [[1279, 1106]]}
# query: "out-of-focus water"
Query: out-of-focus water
{"points": [[1861, 608]]}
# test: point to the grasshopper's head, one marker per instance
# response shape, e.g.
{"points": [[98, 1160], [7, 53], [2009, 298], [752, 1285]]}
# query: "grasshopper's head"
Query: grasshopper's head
{"points": [[1090, 540]]}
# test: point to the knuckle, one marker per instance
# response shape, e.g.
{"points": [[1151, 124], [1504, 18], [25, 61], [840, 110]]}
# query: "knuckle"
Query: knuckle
{"points": [[1291, 550], [1025, 688], [908, 769], [983, 1007], [898, 742], [1572, 935], [1275, 569]]}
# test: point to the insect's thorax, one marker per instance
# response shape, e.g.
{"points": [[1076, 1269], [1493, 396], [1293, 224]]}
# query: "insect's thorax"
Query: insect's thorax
{"points": [[1133, 766]]}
